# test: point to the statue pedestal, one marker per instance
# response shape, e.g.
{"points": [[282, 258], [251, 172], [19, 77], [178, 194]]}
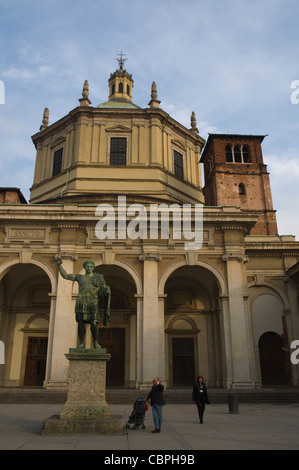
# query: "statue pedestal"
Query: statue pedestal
{"points": [[86, 410]]}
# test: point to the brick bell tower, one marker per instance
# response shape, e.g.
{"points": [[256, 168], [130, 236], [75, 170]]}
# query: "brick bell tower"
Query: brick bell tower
{"points": [[235, 175]]}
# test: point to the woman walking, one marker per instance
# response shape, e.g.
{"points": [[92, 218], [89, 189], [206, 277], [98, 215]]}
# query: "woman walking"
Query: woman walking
{"points": [[200, 396]]}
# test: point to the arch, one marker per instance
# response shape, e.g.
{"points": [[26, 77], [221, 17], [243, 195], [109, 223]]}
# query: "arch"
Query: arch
{"points": [[246, 154], [19, 280], [132, 272], [272, 363], [237, 154], [5, 267], [126, 267], [229, 153], [35, 317], [276, 291], [242, 189], [266, 312], [186, 318], [167, 273], [193, 335], [182, 350]]}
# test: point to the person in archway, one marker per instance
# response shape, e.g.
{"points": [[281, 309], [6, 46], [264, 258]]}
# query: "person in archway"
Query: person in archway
{"points": [[92, 287], [200, 396]]}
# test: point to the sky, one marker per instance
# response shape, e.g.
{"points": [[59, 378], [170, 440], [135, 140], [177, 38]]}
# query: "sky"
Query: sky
{"points": [[232, 62]]}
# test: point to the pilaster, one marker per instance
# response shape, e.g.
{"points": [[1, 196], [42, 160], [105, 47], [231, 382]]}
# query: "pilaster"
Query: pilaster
{"points": [[239, 350], [152, 333], [62, 327]]}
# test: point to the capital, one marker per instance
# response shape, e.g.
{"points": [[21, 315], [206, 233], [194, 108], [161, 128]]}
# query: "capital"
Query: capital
{"points": [[150, 257], [235, 257]]}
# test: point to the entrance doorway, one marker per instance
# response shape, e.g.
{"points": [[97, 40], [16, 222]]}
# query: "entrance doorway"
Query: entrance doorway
{"points": [[183, 361], [36, 361], [273, 370], [113, 339]]}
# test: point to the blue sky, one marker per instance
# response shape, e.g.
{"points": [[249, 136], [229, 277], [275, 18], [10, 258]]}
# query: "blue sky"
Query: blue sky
{"points": [[230, 61]]}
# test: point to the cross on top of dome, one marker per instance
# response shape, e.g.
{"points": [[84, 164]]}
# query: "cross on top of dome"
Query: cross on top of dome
{"points": [[121, 60]]}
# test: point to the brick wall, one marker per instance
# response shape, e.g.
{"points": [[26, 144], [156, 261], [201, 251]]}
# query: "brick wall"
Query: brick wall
{"points": [[245, 185]]}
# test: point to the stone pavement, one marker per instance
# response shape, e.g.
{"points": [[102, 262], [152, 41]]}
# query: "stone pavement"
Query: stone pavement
{"points": [[256, 426]]}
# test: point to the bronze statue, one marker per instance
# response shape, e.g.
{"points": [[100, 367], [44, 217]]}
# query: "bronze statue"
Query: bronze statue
{"points": [[92, 287]]}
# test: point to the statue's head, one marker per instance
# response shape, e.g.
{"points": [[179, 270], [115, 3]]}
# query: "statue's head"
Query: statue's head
{"points": [[88, 265]]}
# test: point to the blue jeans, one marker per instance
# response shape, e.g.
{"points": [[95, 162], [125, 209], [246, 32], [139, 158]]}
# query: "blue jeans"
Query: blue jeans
{"points": [[157, 415]]}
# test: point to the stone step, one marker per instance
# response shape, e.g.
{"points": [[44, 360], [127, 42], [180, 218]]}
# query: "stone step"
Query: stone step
{"points": [[128, 396]]}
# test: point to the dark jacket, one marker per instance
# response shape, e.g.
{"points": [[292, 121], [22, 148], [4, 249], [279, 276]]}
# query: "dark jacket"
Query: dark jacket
{"points": [[156, 395], [200, 393]]}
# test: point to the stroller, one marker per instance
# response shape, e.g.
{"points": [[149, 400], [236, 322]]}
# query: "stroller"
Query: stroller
{"points": [[138, 414]]}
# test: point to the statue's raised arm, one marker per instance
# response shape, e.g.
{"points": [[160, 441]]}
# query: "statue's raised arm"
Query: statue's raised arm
{"points": [[69, 277]]}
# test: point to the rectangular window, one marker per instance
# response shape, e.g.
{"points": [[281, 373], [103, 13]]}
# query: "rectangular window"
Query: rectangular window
{"points": [[57, 162], [178, 165], [118, 150]]}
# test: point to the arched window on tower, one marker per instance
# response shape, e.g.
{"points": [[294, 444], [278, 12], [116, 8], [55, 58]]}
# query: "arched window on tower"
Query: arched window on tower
{"points": [[128, 90], [237, 154], [229, 153], [246, 155], [113, 89], [120, 88], [242, 190]]}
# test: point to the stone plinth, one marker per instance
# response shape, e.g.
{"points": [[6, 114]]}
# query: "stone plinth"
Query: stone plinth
{"points": [[86, 409]]}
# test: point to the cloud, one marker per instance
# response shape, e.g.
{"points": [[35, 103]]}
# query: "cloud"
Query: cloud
{"points": [[24, 73], [286, 169], [231, 62]]}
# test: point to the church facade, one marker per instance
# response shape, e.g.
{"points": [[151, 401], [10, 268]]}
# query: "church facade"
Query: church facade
{"points": [[226, 308]]}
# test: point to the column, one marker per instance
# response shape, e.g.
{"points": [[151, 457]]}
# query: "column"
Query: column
{"points": [[152, 331], [139, 345], [226, 349]]}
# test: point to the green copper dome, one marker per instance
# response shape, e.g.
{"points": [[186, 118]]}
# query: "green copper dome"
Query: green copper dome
{"points": [[117, 104]]}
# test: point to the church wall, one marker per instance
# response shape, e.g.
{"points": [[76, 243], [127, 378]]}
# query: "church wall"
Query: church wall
{"points": [[75, 241]]}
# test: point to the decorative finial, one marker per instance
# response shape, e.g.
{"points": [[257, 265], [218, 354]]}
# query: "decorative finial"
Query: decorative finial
{"points": [[193, 123], [121, 61], [85, 101], [85, 92], [154, 103], [45, 120]]}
